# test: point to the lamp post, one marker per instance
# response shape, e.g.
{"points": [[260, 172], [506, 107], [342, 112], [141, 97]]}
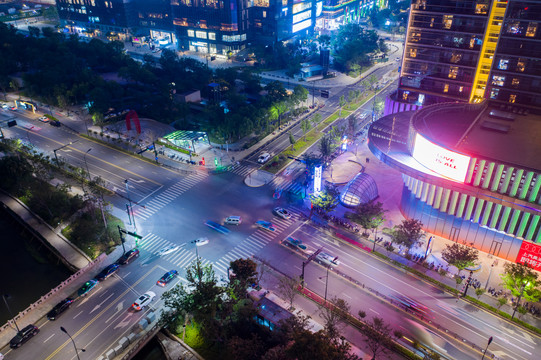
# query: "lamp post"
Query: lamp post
{"points": [[130, 211], [375, 238], [5, 296], [75, 347], [326, 282], [60, 148], [484, 353], [86, 164]]}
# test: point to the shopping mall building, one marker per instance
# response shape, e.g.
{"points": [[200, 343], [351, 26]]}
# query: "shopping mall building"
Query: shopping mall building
{"points": [[472, 173]]}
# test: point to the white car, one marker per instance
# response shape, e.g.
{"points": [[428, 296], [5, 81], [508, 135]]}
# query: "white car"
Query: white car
{"points": [[201, 241], [143, 301], [43, 119], [168, 250], [263, 158], [327, 259], [281, 212]]}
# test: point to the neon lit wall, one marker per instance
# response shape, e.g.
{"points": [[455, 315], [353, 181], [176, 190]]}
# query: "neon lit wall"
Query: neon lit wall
{"points": [[447, 163]]}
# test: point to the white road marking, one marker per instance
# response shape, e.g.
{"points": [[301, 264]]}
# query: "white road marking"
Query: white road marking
{"points": [[374, 311], [77, 315], [49, 338]]}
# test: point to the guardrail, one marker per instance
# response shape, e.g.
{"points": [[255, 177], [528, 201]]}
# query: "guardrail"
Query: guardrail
{"points": [[45, 297]]}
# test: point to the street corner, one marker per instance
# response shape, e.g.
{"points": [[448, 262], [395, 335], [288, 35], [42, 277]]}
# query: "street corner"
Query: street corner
{"points": [[258, 178]]}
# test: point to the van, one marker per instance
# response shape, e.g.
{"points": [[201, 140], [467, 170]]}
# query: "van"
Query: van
{"points": [[233, 220]]}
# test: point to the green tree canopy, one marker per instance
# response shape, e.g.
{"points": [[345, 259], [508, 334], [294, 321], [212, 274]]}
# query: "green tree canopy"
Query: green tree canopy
{"points": [[408, 233], [460, 256], [327, 200], [521, 280]]}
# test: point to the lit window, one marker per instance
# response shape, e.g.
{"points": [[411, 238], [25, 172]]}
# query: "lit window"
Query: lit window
{"points": [[512, 98], [455, 58], [460, 89], [453, 72], [446, 88], [532, 29], [521, 65], [284, 2], [494, 93], [413, 53], [212, 36], [513, 28], [432, 22], [515, 82], [498, 80], [201, 34], [191, 33], [447, 21], [503, 64], [405, 95], [481, 8], [264, 14]]}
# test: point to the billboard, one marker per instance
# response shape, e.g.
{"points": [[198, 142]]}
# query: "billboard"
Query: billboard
{"points": [[530, 254], [449, 164], [317, 179]]}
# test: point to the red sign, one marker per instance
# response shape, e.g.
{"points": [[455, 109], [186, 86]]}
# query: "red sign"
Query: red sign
{"points": [[530, 254]]}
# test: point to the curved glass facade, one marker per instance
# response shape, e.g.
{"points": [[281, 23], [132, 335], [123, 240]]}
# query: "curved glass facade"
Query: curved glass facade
{"points": [[360, 190]]}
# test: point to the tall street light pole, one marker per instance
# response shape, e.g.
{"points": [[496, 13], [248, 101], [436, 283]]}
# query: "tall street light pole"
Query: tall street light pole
{"points": [[326, 283], [75, 347], [60, 148], [130, 211], [5, 296], [86, 164], [484, 352]]}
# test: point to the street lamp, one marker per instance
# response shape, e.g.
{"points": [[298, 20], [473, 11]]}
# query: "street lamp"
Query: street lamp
{"points": [[86, 164], [75, 347], [326, 282], [130, 210], [60, 148], [484, 353], [5, 296]]}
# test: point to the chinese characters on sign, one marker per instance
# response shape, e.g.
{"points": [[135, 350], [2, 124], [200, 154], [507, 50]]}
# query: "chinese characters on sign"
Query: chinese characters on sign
{"points": [[530, 254]]}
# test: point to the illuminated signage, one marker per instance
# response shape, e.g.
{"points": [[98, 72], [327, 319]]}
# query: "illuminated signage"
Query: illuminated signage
{"points": [[447, 163], [319, 8], [530, 254], [302, 16], [302, 25], [297, 8], [317, 180]]}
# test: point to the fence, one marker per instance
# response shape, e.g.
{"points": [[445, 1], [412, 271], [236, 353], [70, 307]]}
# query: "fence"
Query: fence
{"points": [[45, 297]]}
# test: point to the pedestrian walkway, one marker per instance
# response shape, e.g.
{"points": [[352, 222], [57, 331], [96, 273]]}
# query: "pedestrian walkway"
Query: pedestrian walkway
{"points": [[164, 198]]}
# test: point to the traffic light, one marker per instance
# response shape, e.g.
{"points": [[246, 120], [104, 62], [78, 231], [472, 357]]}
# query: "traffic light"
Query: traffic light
{"points": [[325, 94], [203, 161], [216, 161]]}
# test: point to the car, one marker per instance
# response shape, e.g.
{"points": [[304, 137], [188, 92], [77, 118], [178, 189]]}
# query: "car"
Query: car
{"points": [[201, 241], [233, 220], [55, 123], [220, 228], [281, 212], [263, 158], [168, 250], [327, 259], [143, 301], [59, 309], [397, 59], [267, 225], [87, 287], [23, 336], [296, 243], [108, 271], [167, 278], [43, 119], [5, 106], [128, 257]]}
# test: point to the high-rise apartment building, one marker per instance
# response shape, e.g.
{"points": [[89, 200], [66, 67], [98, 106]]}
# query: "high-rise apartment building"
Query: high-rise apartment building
{"points": [[469, 50]]}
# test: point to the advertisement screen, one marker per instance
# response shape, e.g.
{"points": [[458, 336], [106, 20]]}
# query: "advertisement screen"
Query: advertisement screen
{"points": [[530, 254], [317, 180], [447, 163]]}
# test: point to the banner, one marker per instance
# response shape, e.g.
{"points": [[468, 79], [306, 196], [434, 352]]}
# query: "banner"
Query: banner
{"points": [[530, 254]]}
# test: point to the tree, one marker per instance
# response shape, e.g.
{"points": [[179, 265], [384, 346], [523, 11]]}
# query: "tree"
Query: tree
{"points": [[460, 256], [408, 233], [292, 140], [287, 287], [378, 336], [333, 314], [245, 271], [305, 127], [369, 216], [315, 120], [327, 200], [522, 281], [300, 92], [326, 147], [341, 103]]}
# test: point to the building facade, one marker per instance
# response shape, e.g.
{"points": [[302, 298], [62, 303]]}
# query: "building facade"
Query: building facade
{"points": [[470, 50], [471, 173]]}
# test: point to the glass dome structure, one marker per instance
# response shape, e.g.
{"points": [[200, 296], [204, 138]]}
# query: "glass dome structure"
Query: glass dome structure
{"points": [[360, 190]]}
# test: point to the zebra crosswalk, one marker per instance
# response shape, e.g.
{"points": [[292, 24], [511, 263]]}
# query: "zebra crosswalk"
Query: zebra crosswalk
{"points": [[168, 195], [287, 185], [242, 170], [255, 242], [250, 246]]}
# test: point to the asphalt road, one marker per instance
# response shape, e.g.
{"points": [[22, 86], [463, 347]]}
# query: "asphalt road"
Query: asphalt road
{"points": [[172, 209]]}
